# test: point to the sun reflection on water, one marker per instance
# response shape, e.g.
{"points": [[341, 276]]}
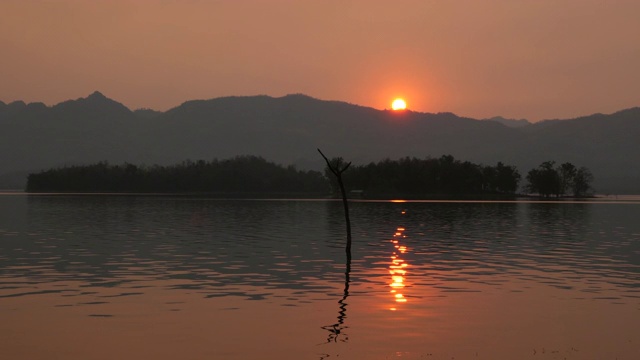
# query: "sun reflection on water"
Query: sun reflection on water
{"points": [[398, 268]]}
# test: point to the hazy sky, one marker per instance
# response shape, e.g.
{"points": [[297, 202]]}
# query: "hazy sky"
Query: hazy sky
{"points": [[534, 59]]}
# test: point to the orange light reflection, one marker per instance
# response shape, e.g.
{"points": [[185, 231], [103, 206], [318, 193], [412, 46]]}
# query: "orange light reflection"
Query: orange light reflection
{"points": [[397, 268]]}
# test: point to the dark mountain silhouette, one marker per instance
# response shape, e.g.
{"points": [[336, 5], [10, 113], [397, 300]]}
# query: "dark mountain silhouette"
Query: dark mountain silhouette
{"points": [[287, 130]]}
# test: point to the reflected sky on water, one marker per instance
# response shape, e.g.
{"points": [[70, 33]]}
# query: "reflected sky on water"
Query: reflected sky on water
{"points": [[141, 276]]}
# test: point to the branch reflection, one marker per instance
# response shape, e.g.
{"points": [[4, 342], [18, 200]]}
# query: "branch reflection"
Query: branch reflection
{"points": [[336, 331]]}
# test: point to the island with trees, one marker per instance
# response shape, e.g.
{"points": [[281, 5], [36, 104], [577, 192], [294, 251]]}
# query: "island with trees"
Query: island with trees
{"points": [[241, 176], [253, 176], [445, 176]]}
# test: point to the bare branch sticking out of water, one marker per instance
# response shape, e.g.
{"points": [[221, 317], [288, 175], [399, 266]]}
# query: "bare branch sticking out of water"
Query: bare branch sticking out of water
{"points": [[337, 169]]}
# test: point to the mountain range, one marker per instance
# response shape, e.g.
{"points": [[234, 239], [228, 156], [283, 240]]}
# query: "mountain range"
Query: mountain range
{"points": [[288, 130]]}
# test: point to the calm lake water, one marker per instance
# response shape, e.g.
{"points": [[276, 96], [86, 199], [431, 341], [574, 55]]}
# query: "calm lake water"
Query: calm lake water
{"points": [[135, 277]]}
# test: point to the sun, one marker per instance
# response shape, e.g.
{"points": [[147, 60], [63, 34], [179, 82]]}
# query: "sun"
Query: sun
{"points": [[398, 104]]}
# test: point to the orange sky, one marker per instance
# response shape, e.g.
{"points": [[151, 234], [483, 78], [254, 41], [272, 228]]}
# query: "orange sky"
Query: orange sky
{"points": [[533, 59]]}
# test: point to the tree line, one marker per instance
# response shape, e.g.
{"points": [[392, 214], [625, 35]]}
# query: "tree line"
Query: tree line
{"points": [[415, 177], [242, 174], [407, 177]]}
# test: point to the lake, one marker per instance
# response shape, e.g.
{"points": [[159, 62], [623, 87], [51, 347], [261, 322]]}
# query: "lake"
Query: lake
{"points": [[171, 277]]}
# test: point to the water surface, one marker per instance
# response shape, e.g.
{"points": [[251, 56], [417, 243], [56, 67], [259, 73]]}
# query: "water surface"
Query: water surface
{"points": [[104, 277]]}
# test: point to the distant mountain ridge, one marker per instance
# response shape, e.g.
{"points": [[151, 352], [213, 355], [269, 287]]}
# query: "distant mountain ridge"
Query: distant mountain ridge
{"points": [[288, 130]]}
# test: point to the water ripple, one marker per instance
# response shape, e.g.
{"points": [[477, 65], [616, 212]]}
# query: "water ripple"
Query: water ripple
{"points": [[253, 249]]}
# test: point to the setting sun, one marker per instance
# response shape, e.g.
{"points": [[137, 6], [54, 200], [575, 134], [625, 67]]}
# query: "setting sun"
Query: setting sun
{"points": [[398, 104]]}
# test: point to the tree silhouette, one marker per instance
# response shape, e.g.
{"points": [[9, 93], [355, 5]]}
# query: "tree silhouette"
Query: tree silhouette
{"points": [[582, 182], [566, 173], [337, 166], [544, 180], [548, 179]]}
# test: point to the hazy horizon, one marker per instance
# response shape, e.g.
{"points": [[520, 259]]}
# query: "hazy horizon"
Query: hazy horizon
{"points": [[527, 59]]}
